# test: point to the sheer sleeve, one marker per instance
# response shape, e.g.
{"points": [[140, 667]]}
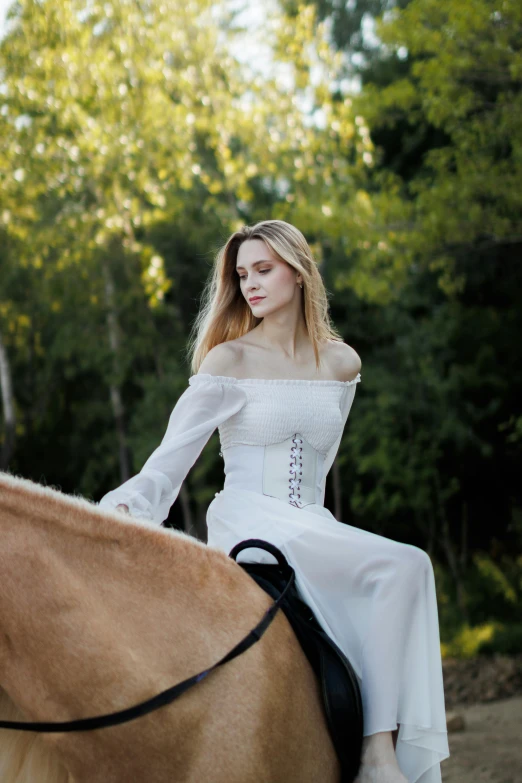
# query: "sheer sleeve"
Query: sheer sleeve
{"points": [[202, 407], [345, 406]]}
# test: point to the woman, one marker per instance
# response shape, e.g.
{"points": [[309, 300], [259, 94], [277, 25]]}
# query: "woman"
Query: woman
{"points": [[276, 378]]}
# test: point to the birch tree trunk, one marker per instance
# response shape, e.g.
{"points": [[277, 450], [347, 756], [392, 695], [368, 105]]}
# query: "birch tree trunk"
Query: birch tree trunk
{"points": [[115, 389], [8, 408]]}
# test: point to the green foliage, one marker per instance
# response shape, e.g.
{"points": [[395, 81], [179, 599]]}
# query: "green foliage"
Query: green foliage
{"points": [[464, 81], [485, 639], [497, 577], [506, 639], [468, 641], [494, 598]]}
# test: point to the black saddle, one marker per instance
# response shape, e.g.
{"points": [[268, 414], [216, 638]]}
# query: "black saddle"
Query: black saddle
{"points": [[337, 679]]}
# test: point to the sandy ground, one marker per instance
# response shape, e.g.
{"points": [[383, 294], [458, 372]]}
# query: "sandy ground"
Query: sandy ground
{"points": [[490, 748]]}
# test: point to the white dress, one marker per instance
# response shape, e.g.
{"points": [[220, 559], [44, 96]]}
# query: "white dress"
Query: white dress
{"points": [[374, 596]]}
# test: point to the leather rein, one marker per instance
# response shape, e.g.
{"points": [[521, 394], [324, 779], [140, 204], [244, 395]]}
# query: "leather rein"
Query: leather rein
{"points": [[170, 694]]}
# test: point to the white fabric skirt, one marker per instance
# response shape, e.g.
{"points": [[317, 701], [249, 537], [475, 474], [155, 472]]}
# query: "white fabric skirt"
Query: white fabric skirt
{"points": [[376, 599]]}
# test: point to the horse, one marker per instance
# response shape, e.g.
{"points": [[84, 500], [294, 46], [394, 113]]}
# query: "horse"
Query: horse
{"points": [[100, 611]]}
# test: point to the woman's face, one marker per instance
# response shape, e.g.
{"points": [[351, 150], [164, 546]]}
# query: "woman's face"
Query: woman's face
{"points": [[262, 274]]}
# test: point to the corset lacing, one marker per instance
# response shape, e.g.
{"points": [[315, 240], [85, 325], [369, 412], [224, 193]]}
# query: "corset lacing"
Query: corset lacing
{"points": [[295, 455]]}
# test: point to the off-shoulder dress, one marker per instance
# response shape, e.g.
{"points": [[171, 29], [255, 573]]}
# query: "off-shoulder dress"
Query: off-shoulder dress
{"points": [[374, 596]]}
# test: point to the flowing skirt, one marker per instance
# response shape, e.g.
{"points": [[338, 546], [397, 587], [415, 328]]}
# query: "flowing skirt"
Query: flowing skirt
{"points": [[376, 599]]}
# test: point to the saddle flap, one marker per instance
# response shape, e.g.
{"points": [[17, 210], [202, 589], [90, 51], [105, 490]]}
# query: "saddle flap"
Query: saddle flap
{"points": [[337, 679]]}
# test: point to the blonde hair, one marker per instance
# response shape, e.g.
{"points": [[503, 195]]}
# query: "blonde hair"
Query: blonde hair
{"points": [[225, 315]]}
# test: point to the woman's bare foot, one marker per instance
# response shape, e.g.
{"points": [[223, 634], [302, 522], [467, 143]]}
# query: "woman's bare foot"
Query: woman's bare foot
{"points": [[378, 761]]}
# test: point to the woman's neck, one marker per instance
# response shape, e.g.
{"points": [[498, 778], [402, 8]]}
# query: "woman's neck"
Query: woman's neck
{"points": [[285, 335]]}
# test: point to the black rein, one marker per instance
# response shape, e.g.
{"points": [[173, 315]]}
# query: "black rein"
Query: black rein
{"points": [[170, 694]]}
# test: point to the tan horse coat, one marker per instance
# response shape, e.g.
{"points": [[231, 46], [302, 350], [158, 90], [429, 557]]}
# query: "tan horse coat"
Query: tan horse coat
{"points": [[99, 611]]}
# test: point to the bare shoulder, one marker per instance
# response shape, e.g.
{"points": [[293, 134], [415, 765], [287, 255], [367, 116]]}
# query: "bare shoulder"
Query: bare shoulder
{"points": [[344, 360], [223, 359]]}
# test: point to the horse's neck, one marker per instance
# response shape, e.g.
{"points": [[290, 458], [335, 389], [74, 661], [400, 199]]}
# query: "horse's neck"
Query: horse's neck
{"points": [[91, 604]]}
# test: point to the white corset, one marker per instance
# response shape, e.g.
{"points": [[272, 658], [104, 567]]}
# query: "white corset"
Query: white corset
{"points": [[293, 472], [283, 441], [290, 471]]}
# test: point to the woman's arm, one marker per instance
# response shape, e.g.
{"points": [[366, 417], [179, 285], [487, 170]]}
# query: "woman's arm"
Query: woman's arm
{"points": [[345, 407], [198, 412]]}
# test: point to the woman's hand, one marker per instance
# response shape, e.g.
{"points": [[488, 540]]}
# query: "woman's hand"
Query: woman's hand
{"points": [[123, 507]]}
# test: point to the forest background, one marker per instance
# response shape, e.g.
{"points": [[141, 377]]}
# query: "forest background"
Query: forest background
{"points": [[136, 135]]}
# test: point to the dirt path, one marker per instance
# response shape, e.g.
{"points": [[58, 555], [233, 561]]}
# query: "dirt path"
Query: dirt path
{"points": [[489, 750]]}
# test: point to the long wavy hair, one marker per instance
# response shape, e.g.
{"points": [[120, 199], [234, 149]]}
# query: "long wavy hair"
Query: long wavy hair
{"points": [[224, 313]]}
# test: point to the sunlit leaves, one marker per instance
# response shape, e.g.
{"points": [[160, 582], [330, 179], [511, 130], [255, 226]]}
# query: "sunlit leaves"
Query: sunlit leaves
{"points": [[465, 80]]}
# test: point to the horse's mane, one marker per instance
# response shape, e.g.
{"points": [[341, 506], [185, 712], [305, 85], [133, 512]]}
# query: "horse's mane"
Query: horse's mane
{"points": [[25, 498], [28, 492]]}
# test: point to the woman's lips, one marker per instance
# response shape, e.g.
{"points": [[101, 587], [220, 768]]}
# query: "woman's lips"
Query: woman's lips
{"points": [[256, 299]]}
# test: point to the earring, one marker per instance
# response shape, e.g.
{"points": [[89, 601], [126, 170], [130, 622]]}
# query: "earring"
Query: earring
{"points": [[300, 285]]}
